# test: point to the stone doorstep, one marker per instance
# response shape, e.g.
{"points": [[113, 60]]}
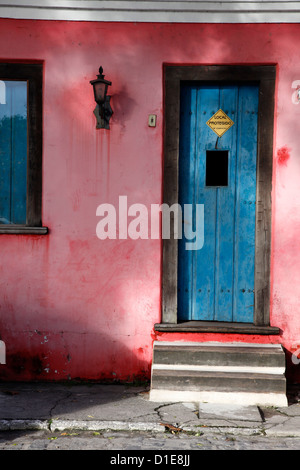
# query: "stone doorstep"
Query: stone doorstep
{"points": [[242, 373]]}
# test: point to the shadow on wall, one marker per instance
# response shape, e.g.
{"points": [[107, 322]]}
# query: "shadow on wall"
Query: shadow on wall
{"points": [[48, 356]]}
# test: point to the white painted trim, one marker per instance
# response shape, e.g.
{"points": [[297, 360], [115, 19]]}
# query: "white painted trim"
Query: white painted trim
{"points": [[238, 398], [165, 11], [230, 369], [2, 353]]}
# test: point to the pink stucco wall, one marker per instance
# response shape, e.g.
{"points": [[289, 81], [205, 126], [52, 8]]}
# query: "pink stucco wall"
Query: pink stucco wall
{"points": [[72, 305]]}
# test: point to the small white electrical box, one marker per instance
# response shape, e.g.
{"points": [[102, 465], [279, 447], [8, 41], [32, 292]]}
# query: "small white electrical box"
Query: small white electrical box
{"points": [[2, 353], [152, 120]]}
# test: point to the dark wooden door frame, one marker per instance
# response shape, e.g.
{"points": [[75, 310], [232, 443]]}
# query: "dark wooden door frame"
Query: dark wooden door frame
{"points": [[265, 76]]}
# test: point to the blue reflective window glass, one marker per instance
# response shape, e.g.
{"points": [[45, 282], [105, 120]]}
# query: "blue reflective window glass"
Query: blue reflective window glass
{"points": [[13, 151]]}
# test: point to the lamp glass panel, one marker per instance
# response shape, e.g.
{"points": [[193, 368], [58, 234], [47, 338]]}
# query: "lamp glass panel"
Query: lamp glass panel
{"points": [[100, 92]]}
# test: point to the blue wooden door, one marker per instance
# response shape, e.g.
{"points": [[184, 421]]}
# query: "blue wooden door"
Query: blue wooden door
{"points": [[216, 282]]}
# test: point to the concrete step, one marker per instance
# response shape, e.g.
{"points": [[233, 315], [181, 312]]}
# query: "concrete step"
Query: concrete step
{"points": [[223, 354], [219, 372]]}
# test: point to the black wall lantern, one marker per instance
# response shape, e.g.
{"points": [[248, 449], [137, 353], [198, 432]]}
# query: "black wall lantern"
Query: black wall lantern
{"points": [[103, 111]]}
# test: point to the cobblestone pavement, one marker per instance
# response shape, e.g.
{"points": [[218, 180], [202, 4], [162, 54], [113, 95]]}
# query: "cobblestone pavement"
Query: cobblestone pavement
{"points": [[141, 441]]}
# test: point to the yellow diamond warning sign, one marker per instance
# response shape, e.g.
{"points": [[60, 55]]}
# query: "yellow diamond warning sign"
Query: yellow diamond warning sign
{"points": [[220, 123]]}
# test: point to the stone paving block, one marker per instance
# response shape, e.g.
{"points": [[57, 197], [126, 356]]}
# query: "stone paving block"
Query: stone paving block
{"points": [[292, 410], [178, 413], [229, 411], [290, 428]]}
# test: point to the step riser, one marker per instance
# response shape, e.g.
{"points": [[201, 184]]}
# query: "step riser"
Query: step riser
{"points": [[216, 382], [217, 358]]}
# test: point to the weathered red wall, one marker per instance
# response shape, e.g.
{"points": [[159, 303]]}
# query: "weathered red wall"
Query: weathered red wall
{"points": [[72, 305]]}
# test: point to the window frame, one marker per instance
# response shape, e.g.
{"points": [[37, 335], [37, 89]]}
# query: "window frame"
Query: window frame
{"points": [[33, 75]]}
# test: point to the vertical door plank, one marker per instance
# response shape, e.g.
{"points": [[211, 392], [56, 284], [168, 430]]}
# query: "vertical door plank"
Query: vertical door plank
{"points": [[188, 119], [225, 230], [245, 205]]}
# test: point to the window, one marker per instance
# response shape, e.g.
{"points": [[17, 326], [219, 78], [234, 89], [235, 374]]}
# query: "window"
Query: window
{"points": [[21, 148], [217, 168]]}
